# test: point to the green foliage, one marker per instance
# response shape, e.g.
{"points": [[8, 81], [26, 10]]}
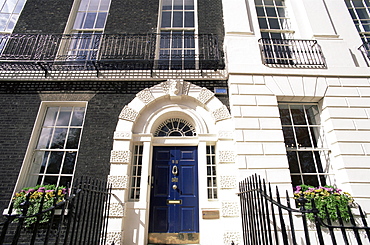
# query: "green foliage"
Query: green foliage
{"points": [[35, 197], [326, 196]]}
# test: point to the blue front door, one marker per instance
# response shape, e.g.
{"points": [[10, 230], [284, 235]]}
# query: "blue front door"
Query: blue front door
{"points": [[174, 194]]}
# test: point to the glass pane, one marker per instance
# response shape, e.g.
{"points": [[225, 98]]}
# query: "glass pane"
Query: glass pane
{"points": [[312, 115], [83, 5], [167, 5], [100, 21], [64, 116], [19, 6], [318, 162], [289, 137], [51, 115], [90, 20], [166, 19], [78, 116], [12, 21], [104, 5], [55, 162], [65, 181], [262, 23], [177, 19], [274, 24], [189, 19], [41, 159], [3, 21], [284, 115], [296, 180], [73, 138], [189, 4], [93, 6], [307, 162], [44, 139], [293, 161], [271, 12], [9, 6], [50, 180], [315, 134], [59, 138], [311, 180], [80, 17], [177, 4], [69, 163], [298, 115], [260, 11], [303, 138]]}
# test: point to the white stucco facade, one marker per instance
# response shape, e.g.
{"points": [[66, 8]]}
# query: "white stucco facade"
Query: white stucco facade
{"points": [[249, 138]]}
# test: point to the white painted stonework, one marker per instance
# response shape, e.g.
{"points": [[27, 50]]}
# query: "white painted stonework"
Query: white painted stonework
{"points": [[248, 137]]}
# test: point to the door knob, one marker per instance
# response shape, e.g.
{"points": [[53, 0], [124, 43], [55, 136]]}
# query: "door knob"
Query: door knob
{"points": [[174, 187], [175, 171]]}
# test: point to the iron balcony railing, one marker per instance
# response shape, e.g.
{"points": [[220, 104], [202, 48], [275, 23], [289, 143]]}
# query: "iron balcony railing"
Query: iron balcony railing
{"points": [[292, 53], [365, 49], [83, 51]]}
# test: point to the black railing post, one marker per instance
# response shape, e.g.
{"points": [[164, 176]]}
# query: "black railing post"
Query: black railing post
{"points": [[24, 208]]}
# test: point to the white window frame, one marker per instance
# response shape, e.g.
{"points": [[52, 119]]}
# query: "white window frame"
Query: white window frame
{"points": [[23, 177], [211, 164], [320, 149], [365, 35], [178, 29], [136, 173]]}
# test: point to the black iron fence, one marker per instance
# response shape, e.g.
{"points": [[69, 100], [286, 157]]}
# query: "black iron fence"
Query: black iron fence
{"points": [[268, 218], [292, 53], [86, 51], [81, 218]]}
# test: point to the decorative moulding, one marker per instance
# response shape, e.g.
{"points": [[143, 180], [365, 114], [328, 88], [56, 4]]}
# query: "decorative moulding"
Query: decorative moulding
{"points": [[114, 237], [128, 114], [228, 182], [175, 87], [118, 182], [122, 135], [225, 135], [221, 113], [226, 156], [117, 210], [230, 209], [232, 236], [205, 95], [145, 96], [120, 157]]}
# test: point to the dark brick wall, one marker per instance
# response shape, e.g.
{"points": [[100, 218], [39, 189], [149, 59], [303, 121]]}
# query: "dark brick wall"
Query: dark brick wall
{"points": [[132, 16], [210, 18], [44, 16], [18, 113]]}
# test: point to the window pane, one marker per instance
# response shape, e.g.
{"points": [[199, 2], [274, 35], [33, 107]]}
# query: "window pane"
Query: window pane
{"points": [[19, 6], [289, 137], [178, 19], [189, 19], [285, 115], [298, 115], [312, 115], [311, 180], [306, 161], [189, 4], [100, 22], [51, 115], [78, 116], [274, 24], [64, 116], [296, 180], [90, 20], [9, 6], [59, 138], [166, 19], [262, 23], [293, 162], [73, 138], [178, 5], [83, 5], [93, 6], [69, 163], [104, 5], [65, 181], [50, 180], [44, 139], [303, 138], [167, 5], [55, 162], [271, 12], [260, 11]]}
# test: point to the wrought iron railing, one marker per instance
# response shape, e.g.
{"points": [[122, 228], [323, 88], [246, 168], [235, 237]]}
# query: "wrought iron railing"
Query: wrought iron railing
{"points": [[83, 217], [268, 218], [292, 53], [365, 49], [82, 51]]}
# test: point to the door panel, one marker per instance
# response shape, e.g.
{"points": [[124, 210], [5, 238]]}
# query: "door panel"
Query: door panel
{"points": [[174, 194]]}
